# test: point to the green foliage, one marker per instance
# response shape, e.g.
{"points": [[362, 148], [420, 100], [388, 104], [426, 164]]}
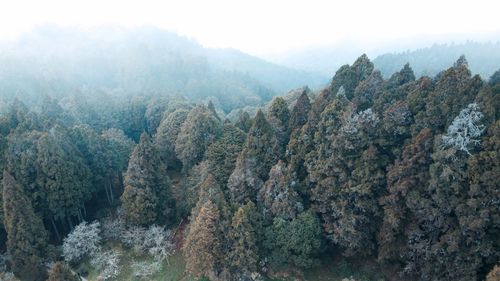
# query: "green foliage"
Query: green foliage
{"points": [[26, 236], [278, 197], [200, 129], [244, 121], [52, 170], [221, 155], [146, 198], [298, 116], [294, 243], [167, 133], [244, 235], [259, 154]]}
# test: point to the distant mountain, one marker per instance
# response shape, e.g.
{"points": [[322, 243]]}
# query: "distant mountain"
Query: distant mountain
{"points": [[276, 77], [483, 59], [56, 61]]}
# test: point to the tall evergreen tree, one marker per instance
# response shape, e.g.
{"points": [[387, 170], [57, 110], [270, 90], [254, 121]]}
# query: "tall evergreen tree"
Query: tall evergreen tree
{"points": [[407, 181], [202, 249], [298, 116], [221, 155], [244, 234], [244, 121], [26, 236], [200, 129], [146, 198], [278, 196], [167, 133], [260, 153], [454, 89]]}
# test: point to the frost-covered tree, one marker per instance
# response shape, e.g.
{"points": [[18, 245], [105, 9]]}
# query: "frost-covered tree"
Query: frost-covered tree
{"points": [[155, 241], [108, 264], [84, 240], [465, 129]]}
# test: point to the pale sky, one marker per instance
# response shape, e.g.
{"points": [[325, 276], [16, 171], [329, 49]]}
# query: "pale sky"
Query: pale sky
{"points": [[260, 26]]}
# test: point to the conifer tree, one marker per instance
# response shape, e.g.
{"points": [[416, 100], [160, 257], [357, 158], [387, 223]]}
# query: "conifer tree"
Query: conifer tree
{"points": [[167, 133], [146, 198], [454, 89], [260, 153], [294, 243], [279, 117], [210, 190], [278, 196], [200, 129], [26, 236], [407, 181], [202, 249], [221, 155], [244, 234], [244, 121], [298, 116]]}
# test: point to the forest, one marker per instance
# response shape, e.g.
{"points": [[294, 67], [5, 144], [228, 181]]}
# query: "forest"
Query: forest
{"points": [[398, 173]]}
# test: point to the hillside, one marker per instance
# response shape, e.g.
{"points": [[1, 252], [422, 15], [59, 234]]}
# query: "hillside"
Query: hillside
{"points": [[147, 61], [483, 58]]}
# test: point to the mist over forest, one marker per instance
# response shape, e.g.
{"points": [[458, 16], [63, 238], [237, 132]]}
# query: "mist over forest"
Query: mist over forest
{"points": [[135, 153]]}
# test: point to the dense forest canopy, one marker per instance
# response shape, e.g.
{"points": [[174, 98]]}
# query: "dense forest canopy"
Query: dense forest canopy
{"points": [[123, 155]]}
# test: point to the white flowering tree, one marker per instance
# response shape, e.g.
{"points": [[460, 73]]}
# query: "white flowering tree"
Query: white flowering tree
{"points": [[465, 129], [108, 263], [84, 240], [155, 241]]}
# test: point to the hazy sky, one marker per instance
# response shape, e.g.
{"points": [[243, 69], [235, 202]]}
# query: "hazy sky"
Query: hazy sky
{"points": [[262, 27]]}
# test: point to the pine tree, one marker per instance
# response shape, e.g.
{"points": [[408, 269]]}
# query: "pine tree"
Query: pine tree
{"points": [[202, 249], [26, 236], [146, 198], [260, 153], [244, 235], [61, 272]]}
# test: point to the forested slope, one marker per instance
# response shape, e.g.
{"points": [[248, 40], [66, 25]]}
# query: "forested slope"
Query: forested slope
{"points": [[400, 171]]}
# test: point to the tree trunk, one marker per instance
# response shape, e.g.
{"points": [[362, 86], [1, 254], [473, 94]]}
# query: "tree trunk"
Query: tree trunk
{"points": [[111, 195], [70, 223], [107, 193], [55, 229]]}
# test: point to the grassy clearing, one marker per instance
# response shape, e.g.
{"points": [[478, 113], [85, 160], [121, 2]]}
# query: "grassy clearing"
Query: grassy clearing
{"points": [[329, 270], [172, 271]]}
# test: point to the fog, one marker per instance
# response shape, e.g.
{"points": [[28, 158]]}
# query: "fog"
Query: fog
{"points": [[266, 28]]}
